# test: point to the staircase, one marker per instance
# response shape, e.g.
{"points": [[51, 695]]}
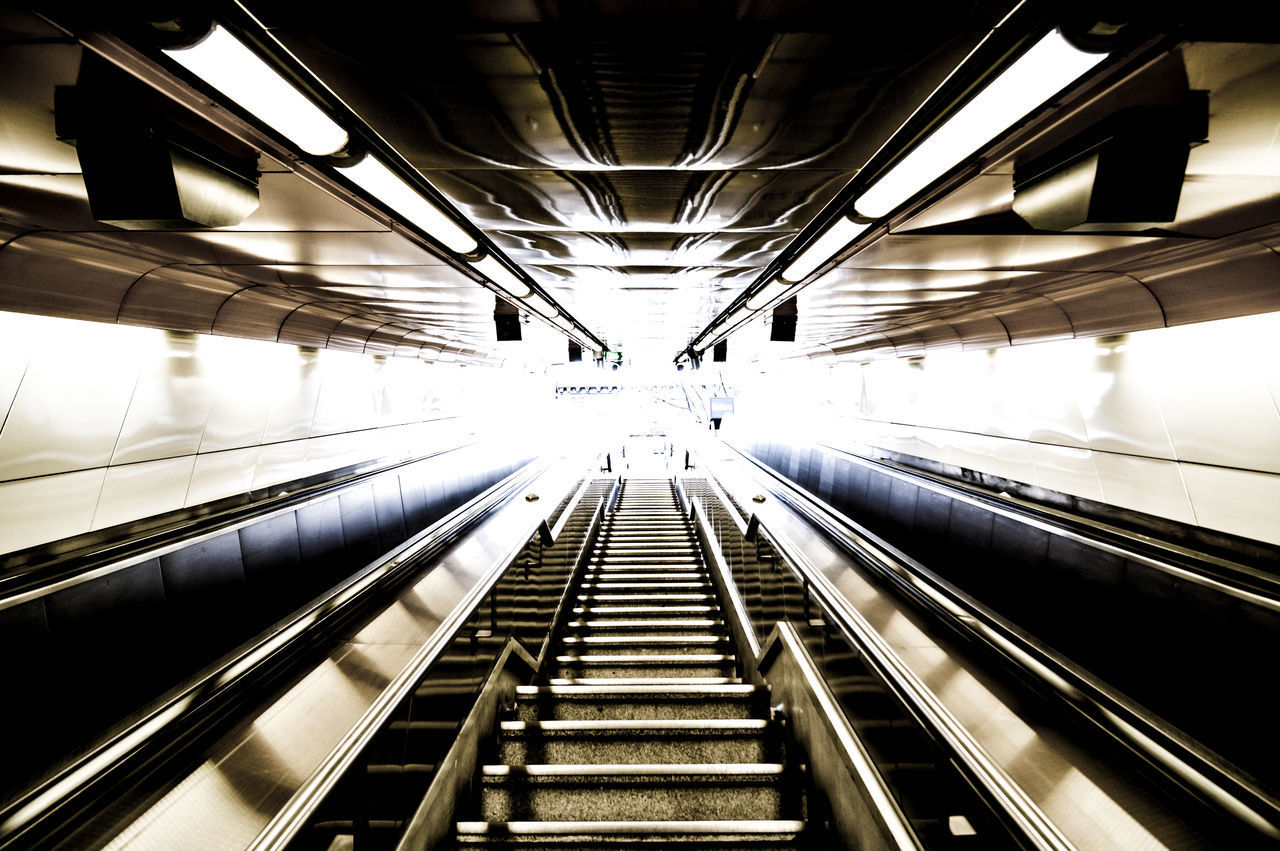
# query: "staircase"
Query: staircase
{"points": [[641, 732]]}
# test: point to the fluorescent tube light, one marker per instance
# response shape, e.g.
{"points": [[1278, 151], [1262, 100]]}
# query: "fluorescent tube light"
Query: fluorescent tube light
{"points": [[382, 183], [223, 62], [563, 323], [541, 305], [768, 294], [1037, 75], [822, 249], [492, 269]]}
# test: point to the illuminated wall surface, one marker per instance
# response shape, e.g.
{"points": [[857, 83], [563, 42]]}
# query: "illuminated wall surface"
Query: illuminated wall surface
{"points": [[124, 423], [106, 424], [1179, 422]]}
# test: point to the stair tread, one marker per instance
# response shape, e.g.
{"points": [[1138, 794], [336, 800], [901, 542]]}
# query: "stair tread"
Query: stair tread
{"points": [[691, 769], [620, 827], [677, 724], [566, 681], [675, 685]]}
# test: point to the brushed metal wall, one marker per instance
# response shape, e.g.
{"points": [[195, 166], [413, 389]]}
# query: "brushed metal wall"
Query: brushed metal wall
{"points": [[1177, 422], [104, 424]]}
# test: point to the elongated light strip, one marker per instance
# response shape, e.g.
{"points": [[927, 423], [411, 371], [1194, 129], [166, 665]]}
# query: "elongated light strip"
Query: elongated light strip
{"points": [[222, 61], [836, 237], [541, 305], [564, 323], [502, 276], [1037, 75], [769, 293], [382, 183]]}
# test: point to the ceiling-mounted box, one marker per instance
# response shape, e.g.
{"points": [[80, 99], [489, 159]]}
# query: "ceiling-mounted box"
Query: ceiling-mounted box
{"points": [[783, 328], [148, 165], [1125, 173]]}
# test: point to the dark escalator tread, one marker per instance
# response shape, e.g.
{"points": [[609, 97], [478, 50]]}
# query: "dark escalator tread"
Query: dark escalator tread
{"points": [[779, 833], [643, 716]]}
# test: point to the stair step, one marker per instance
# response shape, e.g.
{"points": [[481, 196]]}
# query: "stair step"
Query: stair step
{"points": [[587, 598], [648, 623], [619, 585], [621, 792], [685, 608], [645, 701], [641, 681], [734, 833], [659, 643], [667, 741], [635, 665], [643, 576]]}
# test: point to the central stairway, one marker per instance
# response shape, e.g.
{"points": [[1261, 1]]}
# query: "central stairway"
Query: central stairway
{"points": [[641, 732]]}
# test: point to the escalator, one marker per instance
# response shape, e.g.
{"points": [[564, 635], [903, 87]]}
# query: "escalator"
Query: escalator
{"points": [[641, 729]]}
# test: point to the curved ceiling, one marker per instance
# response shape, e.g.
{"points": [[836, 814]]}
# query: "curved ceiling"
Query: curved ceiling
{"points": [[646, 162]]}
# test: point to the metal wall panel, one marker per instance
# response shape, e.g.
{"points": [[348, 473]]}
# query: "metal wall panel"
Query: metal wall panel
{"points": [[415, 498], [388, 507], [1213, 389], [206, 576], [1144, 484], [311, 325], [273, 566], [1238, 501], [902, 504], [177, 298], [359, 523], [63, 275], [1066, 469], [280, 462], [255, 314], [33, 511], [320, 539], [969, 529], [221, 474], [144, 489], [170, 405], [294, 406], [93, 614], [69, 409]]}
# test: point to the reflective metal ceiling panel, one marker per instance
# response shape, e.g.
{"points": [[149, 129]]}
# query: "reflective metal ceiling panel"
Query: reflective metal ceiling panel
{"points": [[645, 161]]}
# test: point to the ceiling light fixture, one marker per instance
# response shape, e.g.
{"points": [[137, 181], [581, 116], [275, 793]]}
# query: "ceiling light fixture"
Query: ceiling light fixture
{"points": [[222, 61], [769, 293], [541, 305], [841, 232], [382, 183], [1044, 70], [495, 271]]}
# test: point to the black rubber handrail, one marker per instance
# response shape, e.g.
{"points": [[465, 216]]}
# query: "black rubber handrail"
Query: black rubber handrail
{"points": [[1187, 564], [1196, 769], [1025, 821], [40, 570], [296, 813], [192, 710]]}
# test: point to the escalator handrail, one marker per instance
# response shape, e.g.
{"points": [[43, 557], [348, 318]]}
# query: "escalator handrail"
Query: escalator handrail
{"points": [[613, 496], [564, 605], [27, 582], [1249, 584], [1018, 811], [1188, 763], [699, 515], [853, 755], [294, 815], [550, 532], [159, 731]]}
